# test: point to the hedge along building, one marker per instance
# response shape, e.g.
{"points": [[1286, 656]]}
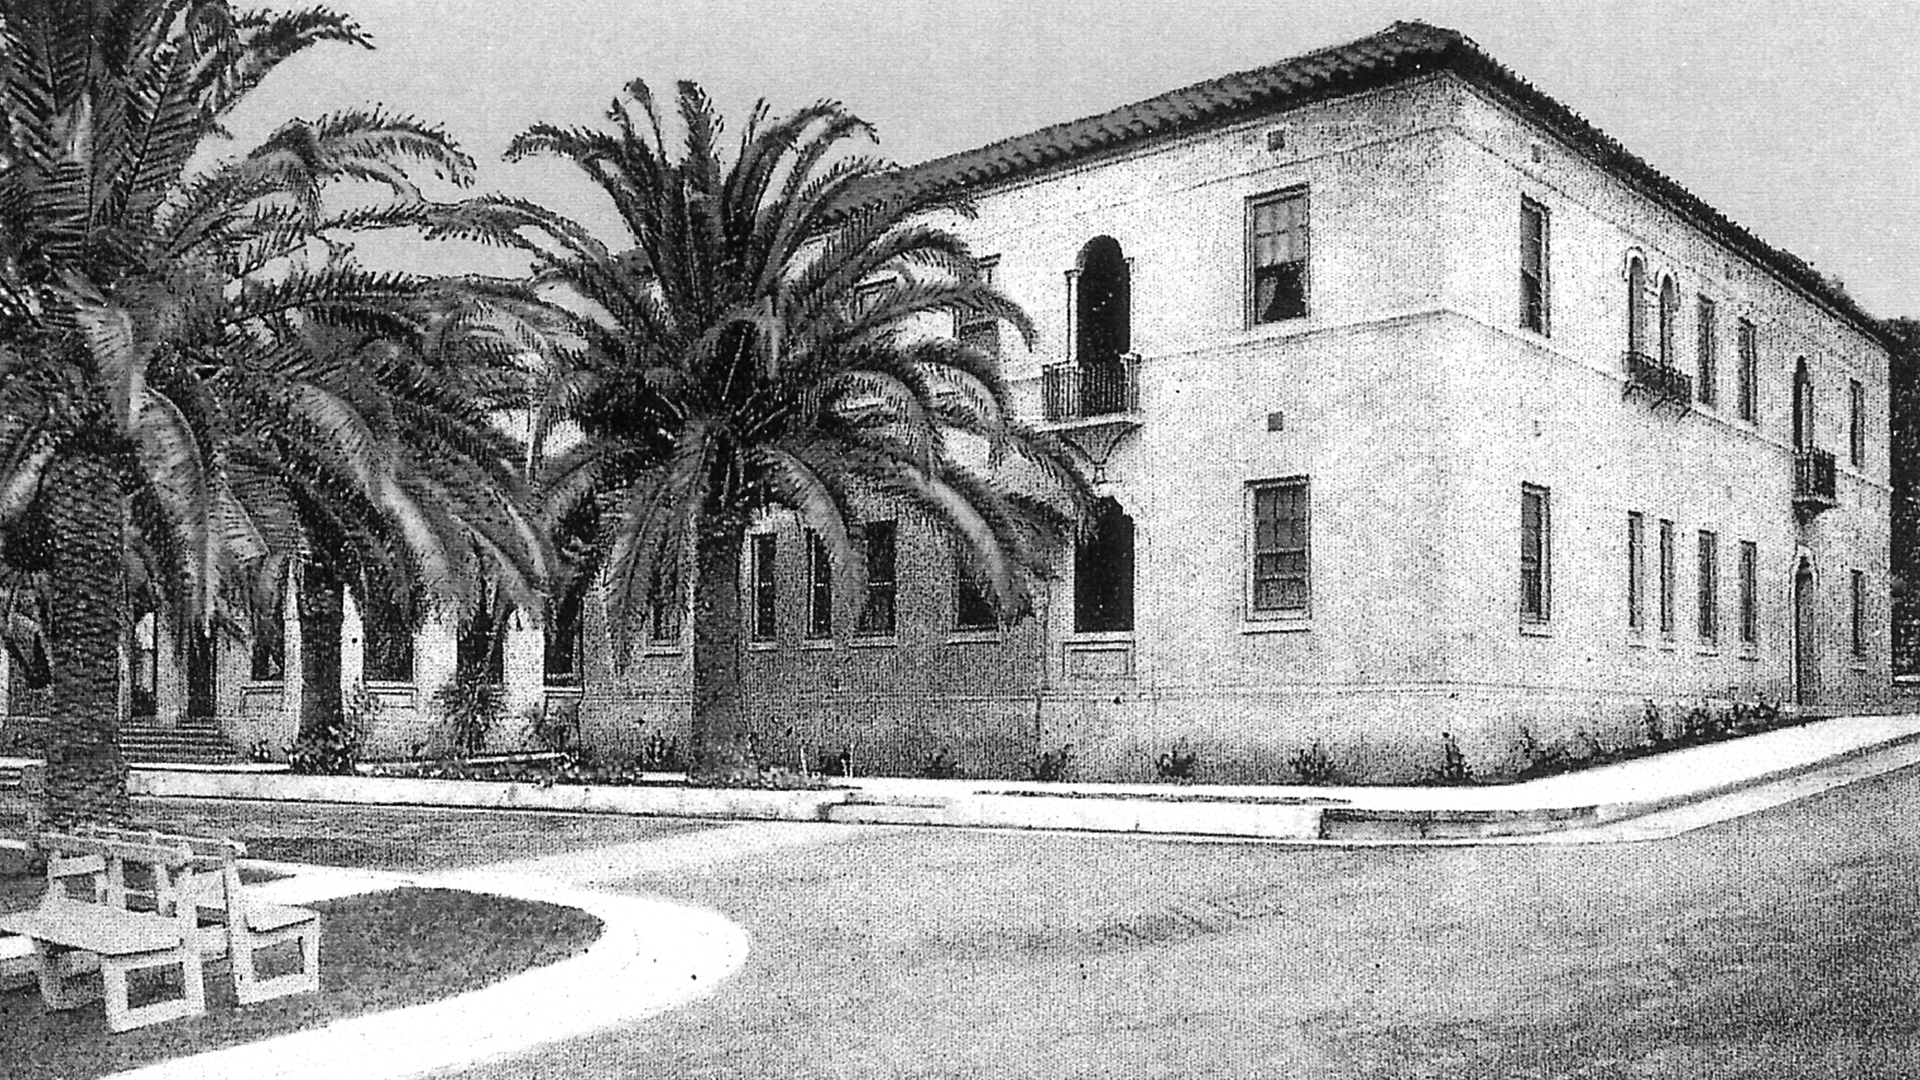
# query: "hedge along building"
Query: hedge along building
{"points": [[1417, 405]]}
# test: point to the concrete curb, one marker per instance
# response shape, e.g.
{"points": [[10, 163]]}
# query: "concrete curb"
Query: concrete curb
{"points": [[1570, 801]]}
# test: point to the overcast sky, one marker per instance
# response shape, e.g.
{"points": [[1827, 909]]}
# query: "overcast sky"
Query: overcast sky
{"points": [[1800, 120]]}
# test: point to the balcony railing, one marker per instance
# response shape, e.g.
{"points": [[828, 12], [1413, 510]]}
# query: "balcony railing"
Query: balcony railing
{"points": [[1091, 388], [1661, 383], [1813, 489]]}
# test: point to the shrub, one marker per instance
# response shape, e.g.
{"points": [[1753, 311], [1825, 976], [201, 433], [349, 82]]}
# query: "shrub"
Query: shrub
{"points": [[1177, 764], [1453, 763], [940, 766], [1313, 765], [1053, 764], [334, 748], [473, 706], [1654, 724], [557, 728], [659, 753]]}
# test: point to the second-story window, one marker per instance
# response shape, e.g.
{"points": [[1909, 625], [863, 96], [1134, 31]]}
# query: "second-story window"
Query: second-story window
{"points": [[1669, 316], [1749, 372], [975, 330], [1709, 349], [1802, 406], [1277, 257], [1533, 266], [1857, 423], [1636, 306]]}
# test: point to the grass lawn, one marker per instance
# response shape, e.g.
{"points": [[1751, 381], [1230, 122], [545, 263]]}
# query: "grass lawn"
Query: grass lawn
{"points": [[378, 951]]}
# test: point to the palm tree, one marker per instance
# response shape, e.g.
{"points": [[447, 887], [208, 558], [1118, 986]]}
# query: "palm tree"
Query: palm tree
{"points": [[742, 348], [157, 373]]}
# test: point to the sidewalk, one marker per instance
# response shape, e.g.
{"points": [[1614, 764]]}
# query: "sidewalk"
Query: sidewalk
{"points": [[1572, 801]]}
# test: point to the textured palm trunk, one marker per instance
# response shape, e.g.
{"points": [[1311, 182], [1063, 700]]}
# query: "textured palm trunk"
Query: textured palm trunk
{"points": [[321, 606], [86, 778], [722, 752]]}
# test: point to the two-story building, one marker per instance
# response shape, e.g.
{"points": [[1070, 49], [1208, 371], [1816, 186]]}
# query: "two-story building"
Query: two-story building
{"points": [[1416, 405]]}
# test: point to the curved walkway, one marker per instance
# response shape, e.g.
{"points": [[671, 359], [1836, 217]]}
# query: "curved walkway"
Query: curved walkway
{"points": [[652, 955]]}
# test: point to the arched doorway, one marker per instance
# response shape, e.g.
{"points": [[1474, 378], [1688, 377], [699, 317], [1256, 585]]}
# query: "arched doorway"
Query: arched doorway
{"points": [[1103, 573], [1103, 326], [1806, 651]]}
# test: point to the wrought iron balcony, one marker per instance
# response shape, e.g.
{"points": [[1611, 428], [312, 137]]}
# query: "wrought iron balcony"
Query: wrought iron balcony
{"points": [[1813, 488], [1659, 383], [1091, 388]]}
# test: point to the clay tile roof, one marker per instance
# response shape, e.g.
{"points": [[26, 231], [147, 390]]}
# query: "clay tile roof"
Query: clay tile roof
{"points": [[1401, 52]]}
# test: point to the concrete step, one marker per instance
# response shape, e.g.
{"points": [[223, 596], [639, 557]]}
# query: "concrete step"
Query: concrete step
{"points": [[197, 743]]}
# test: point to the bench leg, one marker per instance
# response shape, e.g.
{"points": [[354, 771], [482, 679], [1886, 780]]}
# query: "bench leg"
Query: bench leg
{"points": [[55, 967], [121, 1016], [251, 989]]}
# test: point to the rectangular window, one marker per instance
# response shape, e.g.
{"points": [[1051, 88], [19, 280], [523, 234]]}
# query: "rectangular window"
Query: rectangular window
{"points": [[1709, 345], [1277, 257], [561, 661], [1749, 593], [1535, 552], [1858, 583], [972, 602], [664, 602], [763, 588], [1533, 266], [1749, 372], [1278, 584], [1857, 423], [877, 618], [1666, 577], [1709, 587], [819, 589], [1636, 568], [973, 329]]}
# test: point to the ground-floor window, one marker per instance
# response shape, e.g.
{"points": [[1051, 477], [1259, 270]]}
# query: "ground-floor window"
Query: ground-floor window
{"points": [[972, 600], [1103, 573], [666, 601], [1636, 567], [1858, 587], [269, 654], [388, 638], [562, 657], [763, 586], [1749, 593], [1666, 577], [1278, 576], [878, 616], [1535, 545], [819, 589], [1709, 587]]}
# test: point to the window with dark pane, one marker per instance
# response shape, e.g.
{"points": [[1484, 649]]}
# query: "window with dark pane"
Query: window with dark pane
{"points": [[1708, 328], [1103, 573], [763, 587], [1534, 523], [1277, 242], [1636, 568], [1636, 306], [1533, 266], [973, 329], [269, 654], [878, 614], [819, 589], [1280, 531], [1749, 592], [562, 657], [972, 600], [1709, 583], [1666, 577], [1669, 320], [1857, 423], [1858, 584], [666, 602], [1749, 371]]}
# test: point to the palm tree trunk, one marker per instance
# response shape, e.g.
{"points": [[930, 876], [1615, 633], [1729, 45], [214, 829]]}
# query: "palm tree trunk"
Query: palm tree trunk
{"points": [[722, 752], [86, 774], [321, 600]]}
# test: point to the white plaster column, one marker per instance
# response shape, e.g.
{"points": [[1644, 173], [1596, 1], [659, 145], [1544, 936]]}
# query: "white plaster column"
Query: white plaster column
{"points": [[523, 663], [436, 649], [353, 646], [291, 680], [169, 672]]}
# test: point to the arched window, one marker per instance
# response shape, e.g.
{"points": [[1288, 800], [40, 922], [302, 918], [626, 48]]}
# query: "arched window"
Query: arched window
{"points": [[1103, 573], [1802, 406], [1669, 315], [1636, 311], [1103, 314]]}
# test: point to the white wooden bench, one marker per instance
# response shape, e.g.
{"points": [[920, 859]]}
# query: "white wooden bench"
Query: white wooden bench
{"points": [[229, 922], [190, 907], [66, 929]]}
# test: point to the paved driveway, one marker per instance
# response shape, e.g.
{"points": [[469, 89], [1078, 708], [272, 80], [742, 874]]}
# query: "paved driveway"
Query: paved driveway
{"points": [[1780, 944]]}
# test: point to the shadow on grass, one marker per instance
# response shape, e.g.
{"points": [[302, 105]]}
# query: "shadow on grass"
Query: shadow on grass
{"points": [[378, 951]]}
